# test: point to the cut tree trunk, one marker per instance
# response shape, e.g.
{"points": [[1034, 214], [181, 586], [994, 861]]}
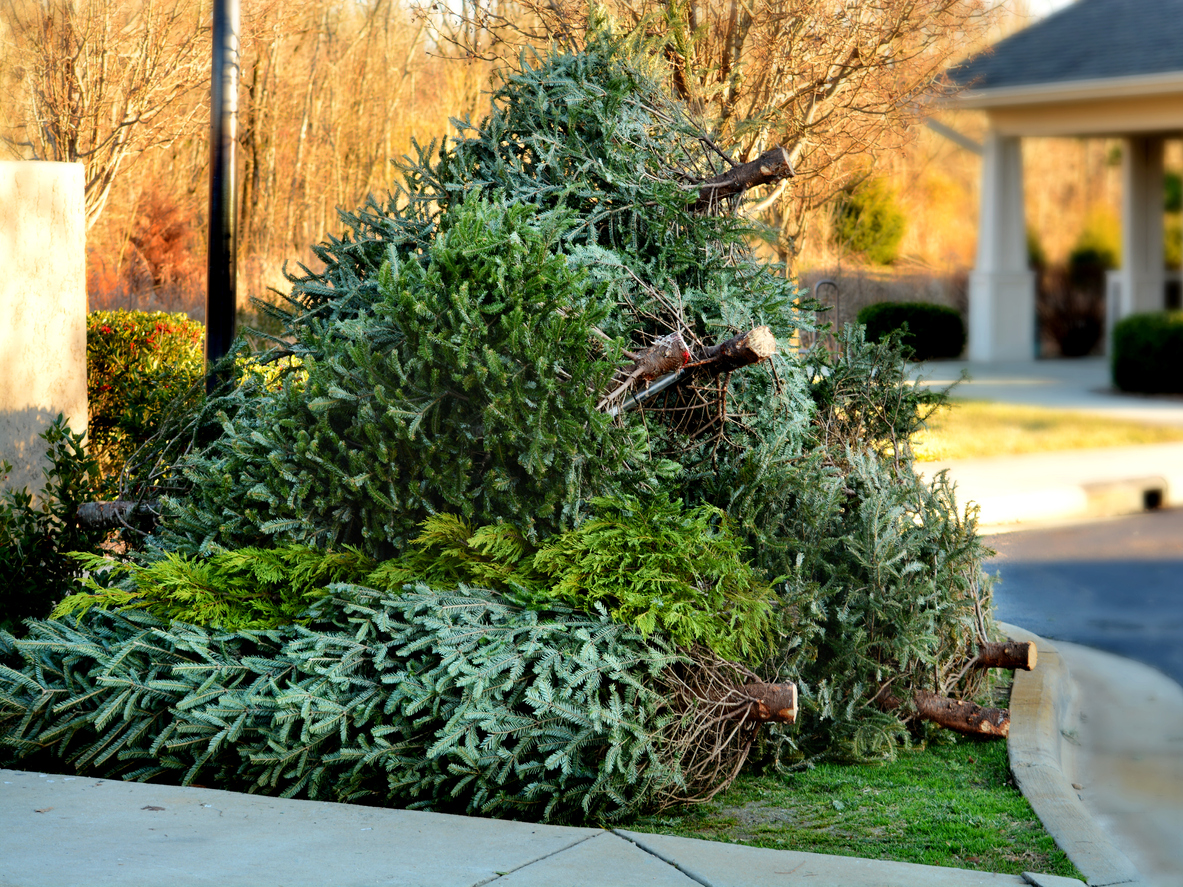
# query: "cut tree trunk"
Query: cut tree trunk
{"points": [[964, 717], [1011, 654], [771, 166], [667, 354], [762, 702], [108, 515], [773, 702], [739, 351]]}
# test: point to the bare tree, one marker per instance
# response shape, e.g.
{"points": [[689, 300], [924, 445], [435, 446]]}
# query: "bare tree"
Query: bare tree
{"points": [[834, 82], [90, 81], [325, 100]]}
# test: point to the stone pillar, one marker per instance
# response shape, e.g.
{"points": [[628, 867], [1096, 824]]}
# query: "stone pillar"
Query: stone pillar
{"points": [[42, 310], [1001, 286], [1142, 278]]}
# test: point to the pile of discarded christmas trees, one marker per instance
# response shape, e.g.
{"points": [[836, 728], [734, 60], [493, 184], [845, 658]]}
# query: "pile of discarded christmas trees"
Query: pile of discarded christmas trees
{"points": [[537, 507]]}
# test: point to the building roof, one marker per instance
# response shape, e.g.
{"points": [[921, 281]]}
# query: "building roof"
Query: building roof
{"points": [[1090, 40]]}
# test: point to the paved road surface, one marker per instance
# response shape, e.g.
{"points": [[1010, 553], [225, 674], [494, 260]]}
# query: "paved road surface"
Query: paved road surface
{"points": [[1115, 585]]}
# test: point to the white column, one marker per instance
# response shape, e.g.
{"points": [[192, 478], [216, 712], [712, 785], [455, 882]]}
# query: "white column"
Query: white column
{"points": [[1142, 277], [42, 310], [1001, 286]]}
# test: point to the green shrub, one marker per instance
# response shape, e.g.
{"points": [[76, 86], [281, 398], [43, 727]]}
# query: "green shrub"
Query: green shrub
{"points": [[1148, 353], [870, 222], [933, 331], [1172, 192], [35, 536], [1070, 301], [138, 363], [1172, 246], [1097, 248], [1036, 254]]}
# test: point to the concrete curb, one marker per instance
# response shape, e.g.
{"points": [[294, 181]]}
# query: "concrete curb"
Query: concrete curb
{"points": [[1042, 709]]}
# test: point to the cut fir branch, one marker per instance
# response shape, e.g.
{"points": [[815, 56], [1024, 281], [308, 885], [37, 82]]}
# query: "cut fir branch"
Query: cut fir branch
{"points": [[425, 697]]}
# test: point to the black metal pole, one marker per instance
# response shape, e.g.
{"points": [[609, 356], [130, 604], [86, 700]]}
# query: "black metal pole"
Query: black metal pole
{"points": [[220, 300]]}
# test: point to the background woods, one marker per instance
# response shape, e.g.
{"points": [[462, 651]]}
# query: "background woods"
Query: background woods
{"points": [[330, 91], [835, 82], [100, 81]]}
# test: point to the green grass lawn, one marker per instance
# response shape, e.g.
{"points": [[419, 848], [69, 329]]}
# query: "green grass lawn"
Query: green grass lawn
{"points": [[972, 429], [948, 805]]}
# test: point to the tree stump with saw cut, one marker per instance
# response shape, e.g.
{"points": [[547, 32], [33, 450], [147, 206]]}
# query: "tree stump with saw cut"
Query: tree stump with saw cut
{"points": [[964, 717], [1012, 655]]}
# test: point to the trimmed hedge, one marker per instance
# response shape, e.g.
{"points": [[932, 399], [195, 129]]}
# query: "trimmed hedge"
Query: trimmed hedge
{"points": [[933, 331], [1148, 353], [137, 364]]}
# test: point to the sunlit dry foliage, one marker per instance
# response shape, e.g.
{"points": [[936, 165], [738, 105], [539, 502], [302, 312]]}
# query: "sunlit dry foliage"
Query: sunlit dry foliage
{"points": [[834, 81], [93, 82]]}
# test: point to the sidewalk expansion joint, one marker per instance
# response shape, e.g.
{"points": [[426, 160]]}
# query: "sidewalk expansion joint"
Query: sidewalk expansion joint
{"points": [[689, 874], [498, 875]]}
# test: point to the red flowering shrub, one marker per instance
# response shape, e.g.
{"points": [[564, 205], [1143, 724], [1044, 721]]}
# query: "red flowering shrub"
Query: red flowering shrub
{"points": [[137, 364]]}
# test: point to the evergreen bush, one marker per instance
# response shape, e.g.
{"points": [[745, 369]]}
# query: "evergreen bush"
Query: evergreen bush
{"points": [[930, 332], [870, 222], [138, 363], [1148, 353], [1097, 248], [37, 533]]}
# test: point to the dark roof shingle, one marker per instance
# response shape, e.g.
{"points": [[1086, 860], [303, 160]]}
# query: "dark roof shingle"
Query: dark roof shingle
{"points": [[1089, 40]]}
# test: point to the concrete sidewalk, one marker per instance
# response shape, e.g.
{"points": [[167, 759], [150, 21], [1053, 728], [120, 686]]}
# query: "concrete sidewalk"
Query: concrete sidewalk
{"points": [[1040, 488], [1126, 754], [60, 831], [1095, 747]]}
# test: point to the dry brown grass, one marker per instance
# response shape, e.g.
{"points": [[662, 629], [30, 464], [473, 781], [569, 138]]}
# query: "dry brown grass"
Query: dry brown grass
{"points": [[975, 429]]}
